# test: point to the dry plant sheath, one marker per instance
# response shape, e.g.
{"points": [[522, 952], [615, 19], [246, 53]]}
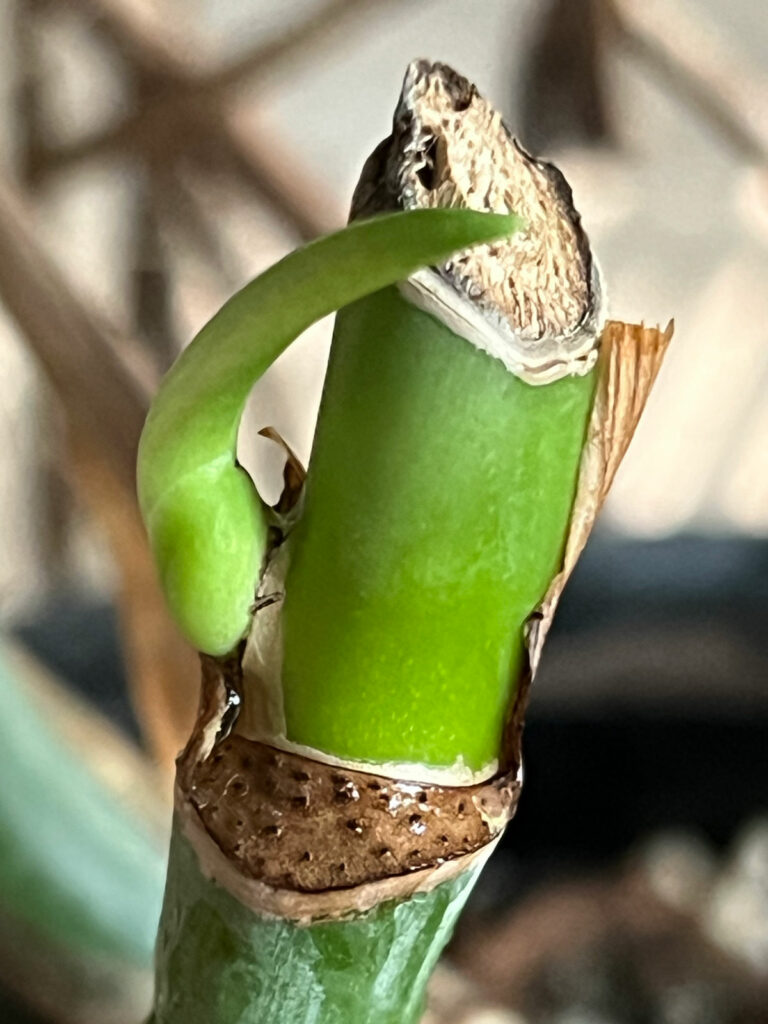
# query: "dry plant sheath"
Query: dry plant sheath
{"points": [[368, 643]]}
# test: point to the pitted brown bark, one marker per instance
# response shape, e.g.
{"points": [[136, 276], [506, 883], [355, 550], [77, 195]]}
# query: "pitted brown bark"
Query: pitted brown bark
{"points": [[298, 824]]}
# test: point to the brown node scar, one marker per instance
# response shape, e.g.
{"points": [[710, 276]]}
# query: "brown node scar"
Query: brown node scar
{"points": [[300, 825], [538, 289]]}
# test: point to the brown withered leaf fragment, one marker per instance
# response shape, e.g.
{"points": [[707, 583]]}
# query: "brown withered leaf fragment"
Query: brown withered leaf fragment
{"points": [[630, 358], [221, 687], [294, 473]]}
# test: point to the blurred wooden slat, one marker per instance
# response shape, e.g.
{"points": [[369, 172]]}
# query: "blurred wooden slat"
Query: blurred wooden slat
{"points": [[188, 112], [151, 266], [100, 396], [151, 43], [158, 41], [163, 670], [105, 409], [453, 999], [265, 162], [193, 113], [562, 82]]}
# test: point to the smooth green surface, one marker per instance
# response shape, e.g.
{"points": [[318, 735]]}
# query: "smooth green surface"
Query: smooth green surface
{"points": [[218, 963], [76, 868], [206, 523], [439, 492]]}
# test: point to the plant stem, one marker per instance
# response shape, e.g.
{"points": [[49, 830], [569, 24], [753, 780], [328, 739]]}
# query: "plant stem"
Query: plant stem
{"points": [[218, 962], [437, 503], [327, 836]]}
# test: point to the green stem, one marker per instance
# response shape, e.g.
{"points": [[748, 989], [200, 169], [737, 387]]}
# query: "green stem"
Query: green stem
{"points": [[220, 963], [437, 503]]}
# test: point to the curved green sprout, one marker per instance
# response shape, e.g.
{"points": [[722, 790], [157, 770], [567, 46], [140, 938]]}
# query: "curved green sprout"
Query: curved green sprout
{"points": [[207, 524]]}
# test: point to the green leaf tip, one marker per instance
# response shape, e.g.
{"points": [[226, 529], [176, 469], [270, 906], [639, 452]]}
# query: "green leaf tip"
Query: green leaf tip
{"points": [[206, 523]]}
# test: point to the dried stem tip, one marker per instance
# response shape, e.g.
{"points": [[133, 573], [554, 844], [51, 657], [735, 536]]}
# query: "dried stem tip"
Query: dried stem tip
{"points": [[532, 301]]}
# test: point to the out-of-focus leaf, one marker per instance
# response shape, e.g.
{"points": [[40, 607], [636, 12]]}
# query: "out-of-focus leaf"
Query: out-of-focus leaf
{"points": [[81, 865]]}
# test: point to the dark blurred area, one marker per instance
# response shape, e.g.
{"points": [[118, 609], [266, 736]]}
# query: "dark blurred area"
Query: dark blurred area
{"points": [[652, 702], [154, 156], [633, 885]]}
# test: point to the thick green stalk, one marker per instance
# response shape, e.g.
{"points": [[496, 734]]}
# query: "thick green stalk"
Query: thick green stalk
{"points": [[435, 521], [437, 503], [220, 963], [426, 550]]}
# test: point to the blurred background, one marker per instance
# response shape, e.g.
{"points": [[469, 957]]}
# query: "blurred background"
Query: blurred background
{"points": [[156, 154]]}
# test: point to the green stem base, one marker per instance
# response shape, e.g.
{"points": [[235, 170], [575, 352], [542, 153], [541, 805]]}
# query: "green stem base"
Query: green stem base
{"points": [[220, 963]]}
